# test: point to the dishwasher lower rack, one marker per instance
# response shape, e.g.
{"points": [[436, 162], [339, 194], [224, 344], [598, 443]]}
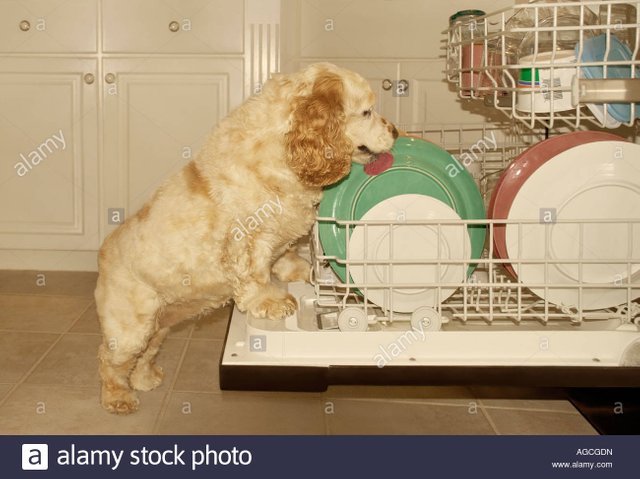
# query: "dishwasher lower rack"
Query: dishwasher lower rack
{"points": [[489, 328]]}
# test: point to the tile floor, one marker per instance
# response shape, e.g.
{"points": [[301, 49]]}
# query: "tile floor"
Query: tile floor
{"points": [[49, 383]]}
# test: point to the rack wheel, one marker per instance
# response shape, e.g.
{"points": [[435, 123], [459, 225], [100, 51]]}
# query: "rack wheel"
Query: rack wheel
{"points": [[352, 320], [426, 319]]}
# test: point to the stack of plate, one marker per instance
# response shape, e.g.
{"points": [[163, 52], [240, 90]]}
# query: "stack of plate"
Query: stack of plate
{"points": [[424, 184], [567, 184]]}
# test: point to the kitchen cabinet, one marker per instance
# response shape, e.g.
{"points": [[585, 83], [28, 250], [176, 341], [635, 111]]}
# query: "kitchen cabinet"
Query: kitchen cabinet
{"points": [[100, 101], [157, 114], [48, 146]]}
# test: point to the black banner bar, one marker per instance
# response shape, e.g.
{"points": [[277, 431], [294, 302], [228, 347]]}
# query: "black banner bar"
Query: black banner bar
{"points": [[319, 457]]}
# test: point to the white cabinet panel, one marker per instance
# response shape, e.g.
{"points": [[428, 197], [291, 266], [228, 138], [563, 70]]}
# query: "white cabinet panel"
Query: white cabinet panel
{"points": [[48, 26], [198, 26], [364, 28], [48, 152], [157, 115]]}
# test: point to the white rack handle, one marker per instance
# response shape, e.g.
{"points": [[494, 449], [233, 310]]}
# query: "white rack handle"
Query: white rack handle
{"points": [[623, 90]]}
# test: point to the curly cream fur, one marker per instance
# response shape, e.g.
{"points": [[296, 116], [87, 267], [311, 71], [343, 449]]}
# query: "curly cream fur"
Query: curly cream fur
{"points": [[318, 150], [181, 254]]}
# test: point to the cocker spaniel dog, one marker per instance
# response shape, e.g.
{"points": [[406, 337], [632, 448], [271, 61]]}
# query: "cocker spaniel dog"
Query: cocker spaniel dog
{"points": [[219, 228]]}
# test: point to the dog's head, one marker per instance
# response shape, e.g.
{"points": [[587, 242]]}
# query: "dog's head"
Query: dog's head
{"points": [[333, 124]]}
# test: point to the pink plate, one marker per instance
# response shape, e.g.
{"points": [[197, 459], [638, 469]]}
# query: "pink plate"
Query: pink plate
{"points": [[521, 169]]}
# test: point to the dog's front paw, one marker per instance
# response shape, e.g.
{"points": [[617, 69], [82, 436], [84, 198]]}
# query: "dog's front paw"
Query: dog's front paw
{"points": [[275, 307]]}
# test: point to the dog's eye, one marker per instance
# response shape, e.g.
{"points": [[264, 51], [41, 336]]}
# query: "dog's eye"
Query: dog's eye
{"points": [[367, 113]]}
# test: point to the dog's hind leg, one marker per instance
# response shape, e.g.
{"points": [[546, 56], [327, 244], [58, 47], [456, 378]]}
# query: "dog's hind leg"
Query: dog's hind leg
{"points": [[127, 329], [147, 375], [116, 395]]}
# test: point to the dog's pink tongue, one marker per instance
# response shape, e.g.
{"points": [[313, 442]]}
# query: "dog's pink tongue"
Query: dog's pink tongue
{"points": [[382, 163]]}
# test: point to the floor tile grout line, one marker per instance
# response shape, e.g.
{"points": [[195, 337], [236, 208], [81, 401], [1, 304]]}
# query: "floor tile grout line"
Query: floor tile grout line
{"points": [[62, 385], [282, 394], [324, 399], [495, 427], [79, 333], [167, 396], [24, 377], [489, 419], [207, 339], [42, 295], [413, 401], [528, 409]]}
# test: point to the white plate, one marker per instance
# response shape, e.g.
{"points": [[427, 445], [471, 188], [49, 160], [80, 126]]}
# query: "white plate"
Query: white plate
{"points": [[593, 181], [417, 243]]}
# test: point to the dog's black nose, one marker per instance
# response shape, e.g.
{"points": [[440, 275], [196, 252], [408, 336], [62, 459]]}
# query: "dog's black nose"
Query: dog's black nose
{"points": [[364, 149]]}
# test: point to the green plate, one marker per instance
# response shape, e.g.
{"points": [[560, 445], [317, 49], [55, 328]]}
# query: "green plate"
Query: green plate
{"points": [[419, 167]]}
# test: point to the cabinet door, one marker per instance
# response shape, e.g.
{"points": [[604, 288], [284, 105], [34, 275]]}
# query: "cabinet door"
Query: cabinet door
{"points": [[48, 153], [57, 26], [176, 26], [157, 115]]}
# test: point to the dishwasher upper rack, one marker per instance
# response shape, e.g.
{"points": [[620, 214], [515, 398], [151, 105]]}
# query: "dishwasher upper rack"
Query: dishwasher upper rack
{"points": [[489, 296], [485, 62]]}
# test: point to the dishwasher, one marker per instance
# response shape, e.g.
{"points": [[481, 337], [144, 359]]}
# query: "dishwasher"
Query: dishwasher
{"points": [[526, 270]]}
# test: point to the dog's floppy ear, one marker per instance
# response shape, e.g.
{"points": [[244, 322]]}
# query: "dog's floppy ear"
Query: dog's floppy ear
{"points": [[318, 150]]}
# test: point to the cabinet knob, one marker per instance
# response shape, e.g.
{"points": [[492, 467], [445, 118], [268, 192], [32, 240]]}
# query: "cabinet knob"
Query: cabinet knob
{"points": [[174, 26], [25, 25], [110, 78], [387, 84], [89, 78], [403, 86]]}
